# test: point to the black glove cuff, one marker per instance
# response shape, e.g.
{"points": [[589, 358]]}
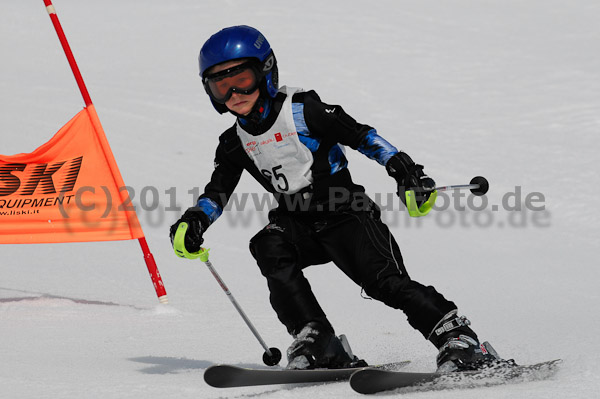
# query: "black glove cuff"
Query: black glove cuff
{"points": [[196, 214], [399, 166], [193, 216]]}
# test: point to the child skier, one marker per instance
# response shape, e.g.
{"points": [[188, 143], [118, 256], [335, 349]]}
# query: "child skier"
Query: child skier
{"points": [[292, 144]]}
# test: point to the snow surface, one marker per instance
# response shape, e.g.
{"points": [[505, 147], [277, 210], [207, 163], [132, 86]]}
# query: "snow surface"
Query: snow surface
{"points": [[505, 89]]}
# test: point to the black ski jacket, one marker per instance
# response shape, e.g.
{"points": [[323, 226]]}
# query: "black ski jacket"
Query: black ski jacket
{"points": [[323, 127]]}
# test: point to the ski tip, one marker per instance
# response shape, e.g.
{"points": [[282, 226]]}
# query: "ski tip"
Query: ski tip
{"points": [[216, 377], [358, 382]]}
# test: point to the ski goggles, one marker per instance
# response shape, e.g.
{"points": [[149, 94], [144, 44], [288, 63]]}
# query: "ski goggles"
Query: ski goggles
{"points": [[243, 79]]}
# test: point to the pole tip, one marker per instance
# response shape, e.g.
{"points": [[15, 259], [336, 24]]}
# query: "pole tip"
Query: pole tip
{"points": [[483, 188], [272, 359]]}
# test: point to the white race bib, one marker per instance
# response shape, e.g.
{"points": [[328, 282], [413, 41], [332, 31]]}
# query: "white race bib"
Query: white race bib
{"points": [[278, 153]]}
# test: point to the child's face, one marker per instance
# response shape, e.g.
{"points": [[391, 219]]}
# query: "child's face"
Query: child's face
{"points": [[241, 104]]}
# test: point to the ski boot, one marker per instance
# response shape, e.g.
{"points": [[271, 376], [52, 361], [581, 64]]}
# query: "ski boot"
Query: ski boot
{"points": [[315, 346], [459, 347]]}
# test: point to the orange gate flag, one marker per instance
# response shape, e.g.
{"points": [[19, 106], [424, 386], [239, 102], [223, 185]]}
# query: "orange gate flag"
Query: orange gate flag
{"points": [[67, 190]]}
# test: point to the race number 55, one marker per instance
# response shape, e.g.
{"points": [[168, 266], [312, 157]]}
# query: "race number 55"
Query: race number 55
{"points": [[279, 177]]}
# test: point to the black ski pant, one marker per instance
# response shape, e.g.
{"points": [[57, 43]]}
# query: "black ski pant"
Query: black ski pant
{"points": [[360, 245]]}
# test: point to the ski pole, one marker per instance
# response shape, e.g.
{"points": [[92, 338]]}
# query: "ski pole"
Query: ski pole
{"points": [[272, 356], [478, 186]]}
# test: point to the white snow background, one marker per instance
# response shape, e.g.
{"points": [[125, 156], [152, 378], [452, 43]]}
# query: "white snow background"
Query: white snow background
{"points": [[505, 89]]}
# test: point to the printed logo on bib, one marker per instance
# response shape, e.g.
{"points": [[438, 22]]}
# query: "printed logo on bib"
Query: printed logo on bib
{"points": [[252, 148], [278, 140]]}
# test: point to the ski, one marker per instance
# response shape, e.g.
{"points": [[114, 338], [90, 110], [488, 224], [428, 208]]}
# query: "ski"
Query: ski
{"points": [[369, 381], [229, 376]]}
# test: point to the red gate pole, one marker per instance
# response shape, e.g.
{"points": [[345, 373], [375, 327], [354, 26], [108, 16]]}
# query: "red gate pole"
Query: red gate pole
{"points": [[153, 270], [68, 52], [148, 257]]}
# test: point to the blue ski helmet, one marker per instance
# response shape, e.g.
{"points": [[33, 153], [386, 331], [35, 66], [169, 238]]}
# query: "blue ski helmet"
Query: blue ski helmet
{"points": [[237, 42]]}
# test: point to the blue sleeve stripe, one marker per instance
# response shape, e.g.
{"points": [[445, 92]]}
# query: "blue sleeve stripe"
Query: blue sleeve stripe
{"points": [[310, 142], [337, 158], [304, 135], [377, 148], [210, 208], [298, 112]]}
